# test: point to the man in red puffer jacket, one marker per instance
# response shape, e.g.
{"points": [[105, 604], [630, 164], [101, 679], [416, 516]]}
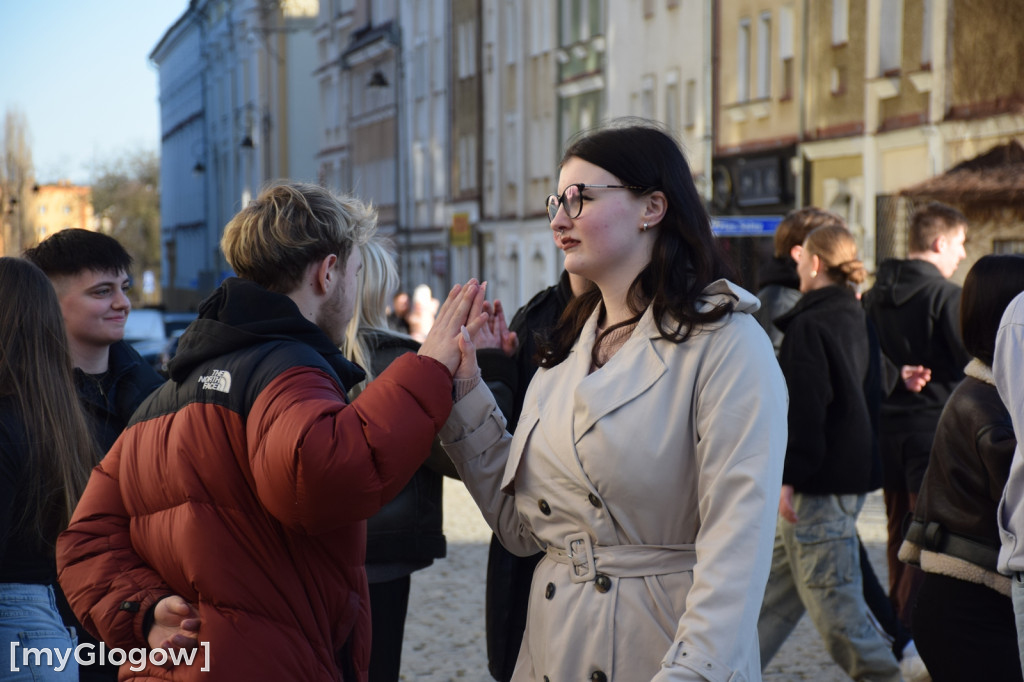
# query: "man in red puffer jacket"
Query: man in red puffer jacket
{"points": [[228, 520]]}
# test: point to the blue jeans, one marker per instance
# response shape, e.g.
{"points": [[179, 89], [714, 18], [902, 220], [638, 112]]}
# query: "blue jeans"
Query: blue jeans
{"points": [[33, 640], [816, 568]]}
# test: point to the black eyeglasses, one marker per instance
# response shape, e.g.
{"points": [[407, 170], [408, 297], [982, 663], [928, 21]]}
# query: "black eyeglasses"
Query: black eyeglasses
{"points": [[572, 198]]}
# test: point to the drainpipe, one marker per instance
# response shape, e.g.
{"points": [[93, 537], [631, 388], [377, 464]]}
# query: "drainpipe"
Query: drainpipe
{"points": [[801, 93], [709, 102]]}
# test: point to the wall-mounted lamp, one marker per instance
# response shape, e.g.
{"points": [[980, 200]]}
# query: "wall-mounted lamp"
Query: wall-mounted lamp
{"points": [[378, 80], [247, 142]]}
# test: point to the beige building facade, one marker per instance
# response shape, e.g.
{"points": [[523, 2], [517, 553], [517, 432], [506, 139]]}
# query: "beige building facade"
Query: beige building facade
{"points": [[61, 206]]}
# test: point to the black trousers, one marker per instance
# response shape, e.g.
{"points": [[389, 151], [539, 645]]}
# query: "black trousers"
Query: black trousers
{"points": [[965, 631], [508, 595], [881, 607], [389, 602]]}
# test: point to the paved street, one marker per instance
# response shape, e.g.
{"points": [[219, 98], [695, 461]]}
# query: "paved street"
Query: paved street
{"points": [[444, 634]]}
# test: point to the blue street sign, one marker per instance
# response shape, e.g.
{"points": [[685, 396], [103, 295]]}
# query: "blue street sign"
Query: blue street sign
{"points": [[745, 226]]}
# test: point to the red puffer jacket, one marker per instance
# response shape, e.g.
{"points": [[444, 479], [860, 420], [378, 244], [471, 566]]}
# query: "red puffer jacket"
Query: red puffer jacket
{"points": [[242, 485]]}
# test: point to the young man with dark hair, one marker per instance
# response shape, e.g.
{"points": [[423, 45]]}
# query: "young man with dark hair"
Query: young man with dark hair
{"points": [[91, 273], [916, 311], [232, 510]]}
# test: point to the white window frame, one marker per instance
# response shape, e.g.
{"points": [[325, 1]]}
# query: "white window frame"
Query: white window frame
{"points": [[840, 22], [764, 55], [743, 61]]}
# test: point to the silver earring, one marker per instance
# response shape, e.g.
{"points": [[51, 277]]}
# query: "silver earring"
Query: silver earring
{"points": [[644, 228]]}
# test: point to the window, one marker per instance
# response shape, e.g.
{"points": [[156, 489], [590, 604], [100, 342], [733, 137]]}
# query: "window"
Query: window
{"points": [[926, 34], [891, 36], [647, 97], [541, 26], [672, 107], [764, 55], [577, 20], [511, 31], [786, 50], [837, 80], [743, 62], [691, 103], [840, 22], [466, 48], [467, 162]]}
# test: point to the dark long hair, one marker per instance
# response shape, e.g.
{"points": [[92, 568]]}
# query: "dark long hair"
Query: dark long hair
{"points": [[686, 257], [36, 374], [991, 283]]}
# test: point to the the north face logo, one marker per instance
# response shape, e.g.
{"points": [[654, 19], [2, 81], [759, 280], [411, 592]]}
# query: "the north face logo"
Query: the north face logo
{"points": [[217, 380]]}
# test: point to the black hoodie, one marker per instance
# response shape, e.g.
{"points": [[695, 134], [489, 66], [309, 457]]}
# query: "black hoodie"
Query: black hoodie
{"points": [[917, 314], [242, 314]]}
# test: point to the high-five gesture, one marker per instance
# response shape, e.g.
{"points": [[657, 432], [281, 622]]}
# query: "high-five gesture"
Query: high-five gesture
{"points": [[464, 307]]}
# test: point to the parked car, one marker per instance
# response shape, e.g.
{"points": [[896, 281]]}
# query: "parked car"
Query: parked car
{"points": [[144, 330], [149, 330]]}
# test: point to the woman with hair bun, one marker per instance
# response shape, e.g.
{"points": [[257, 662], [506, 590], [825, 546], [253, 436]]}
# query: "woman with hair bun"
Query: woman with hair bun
{"points": [[830, 366]]}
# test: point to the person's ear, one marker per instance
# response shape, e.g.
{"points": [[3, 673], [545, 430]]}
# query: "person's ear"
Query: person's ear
{"points": [[940, 243], [795, 252], [326, 273], [655, 208]]}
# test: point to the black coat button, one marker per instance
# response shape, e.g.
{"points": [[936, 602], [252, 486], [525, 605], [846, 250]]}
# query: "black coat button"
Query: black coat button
{"points": [[598, 676], [545, 508], [549, 591], [594, 500], [602, 583]]}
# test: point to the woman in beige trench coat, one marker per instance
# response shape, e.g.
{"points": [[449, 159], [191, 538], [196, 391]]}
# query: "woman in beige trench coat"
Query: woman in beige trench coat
{"points": [[648, 459]]}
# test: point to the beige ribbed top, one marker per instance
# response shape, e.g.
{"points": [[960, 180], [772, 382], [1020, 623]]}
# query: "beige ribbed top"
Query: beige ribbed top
{"points": [[611, 343]]}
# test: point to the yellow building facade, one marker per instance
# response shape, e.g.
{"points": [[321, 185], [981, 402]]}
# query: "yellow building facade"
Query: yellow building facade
{"points": [[61, 206]]}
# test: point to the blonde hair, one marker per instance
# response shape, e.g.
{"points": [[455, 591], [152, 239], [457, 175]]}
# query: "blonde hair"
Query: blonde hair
{"points": [[289, 226], [837, 250], [378, 280]]}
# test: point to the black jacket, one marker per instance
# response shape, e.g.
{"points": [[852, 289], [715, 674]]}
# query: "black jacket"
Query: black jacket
{"points": [[25, 556], [969, 465], [508, 378], [917, 314], [779, 292], [110, 403], [826, 359], [407, 532]]}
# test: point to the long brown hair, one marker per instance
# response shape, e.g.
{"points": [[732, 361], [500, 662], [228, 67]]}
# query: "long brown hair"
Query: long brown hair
{"points": [[686, 257], [36, 376]]}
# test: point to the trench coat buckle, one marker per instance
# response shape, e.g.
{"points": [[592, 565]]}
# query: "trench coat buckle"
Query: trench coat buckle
{"points": [[581, 553]]}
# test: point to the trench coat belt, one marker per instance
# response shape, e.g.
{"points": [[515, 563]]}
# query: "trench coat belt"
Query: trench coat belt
{"points": [[620, 561]]}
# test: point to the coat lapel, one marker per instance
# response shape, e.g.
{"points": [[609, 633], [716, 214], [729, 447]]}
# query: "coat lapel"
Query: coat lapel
{"points": [[630, 372]]}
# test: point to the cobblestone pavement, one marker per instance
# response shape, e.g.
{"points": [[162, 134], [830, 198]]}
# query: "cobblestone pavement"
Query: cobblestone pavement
{"points": [[444, 632]]}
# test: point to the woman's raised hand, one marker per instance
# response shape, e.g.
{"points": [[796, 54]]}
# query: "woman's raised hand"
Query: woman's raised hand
{"points": [[495, 333]]}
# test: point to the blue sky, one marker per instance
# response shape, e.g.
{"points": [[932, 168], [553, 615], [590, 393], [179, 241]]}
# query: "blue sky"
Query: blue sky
{"points": [[79, 72]]}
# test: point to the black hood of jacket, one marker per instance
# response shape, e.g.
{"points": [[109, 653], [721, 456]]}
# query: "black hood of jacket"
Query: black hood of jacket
{"points": [[240, 314], [898, 281], [781, 271]]}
